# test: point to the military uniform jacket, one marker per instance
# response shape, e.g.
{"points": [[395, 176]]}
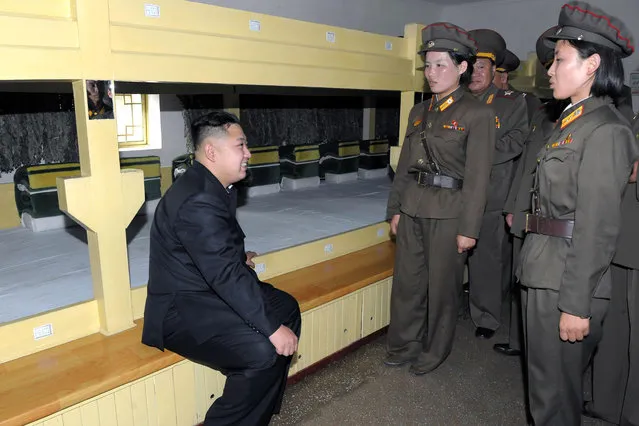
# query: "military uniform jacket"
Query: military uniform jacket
{"points": [[510, 118], [627, 254], [460, 134], [582, 173], [518, 202]]}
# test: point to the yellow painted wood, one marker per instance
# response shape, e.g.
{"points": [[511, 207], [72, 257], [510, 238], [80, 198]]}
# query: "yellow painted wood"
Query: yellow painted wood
{"points": [[8, 213], [73, 322], [48, 8], [106, 410], [57, 34], [177, 16], [165, 395], [166, 178], [90, 414], [185, 388], [56, 421], [406, 104], [27, 63], [138, 404], [124, 406], [72, 418], [151, 402], [201, 397]]}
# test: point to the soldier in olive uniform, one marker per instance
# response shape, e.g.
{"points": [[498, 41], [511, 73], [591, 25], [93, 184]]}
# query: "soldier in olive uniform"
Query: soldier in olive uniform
{"points": [[518, 201], [615, 372], [580, 179], [436, 202], [509, 64], [510, 117]]}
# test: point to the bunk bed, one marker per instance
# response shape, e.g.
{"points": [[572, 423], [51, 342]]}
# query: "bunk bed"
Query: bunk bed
{"points": [[177, 41]]}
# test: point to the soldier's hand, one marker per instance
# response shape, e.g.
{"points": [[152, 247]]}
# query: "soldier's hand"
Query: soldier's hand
{"points": [[465, 243], [509, 220], [573, 328], [284, 340], [394, 223], [633, 176]]}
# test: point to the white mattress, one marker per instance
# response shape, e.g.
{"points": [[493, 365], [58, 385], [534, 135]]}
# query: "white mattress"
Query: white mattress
{"points": [[47, 270]]}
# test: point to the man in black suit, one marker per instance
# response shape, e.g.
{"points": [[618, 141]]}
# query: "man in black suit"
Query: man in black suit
{"points": [[204, 301]]}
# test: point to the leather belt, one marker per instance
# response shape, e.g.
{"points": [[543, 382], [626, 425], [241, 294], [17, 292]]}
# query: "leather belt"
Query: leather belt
{"points": [[548, 226], [439, 181]]}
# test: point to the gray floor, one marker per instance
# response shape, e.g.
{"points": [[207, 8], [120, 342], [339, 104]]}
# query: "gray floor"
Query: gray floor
{"points": [[475, 386], [48, 270]]}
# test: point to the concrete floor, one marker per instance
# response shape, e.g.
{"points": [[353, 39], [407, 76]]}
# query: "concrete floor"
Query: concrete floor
{"points": [[475, 386]]}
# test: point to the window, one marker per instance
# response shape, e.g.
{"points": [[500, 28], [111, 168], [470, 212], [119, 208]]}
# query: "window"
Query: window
{"points": [[138, 121], [130, 110]]}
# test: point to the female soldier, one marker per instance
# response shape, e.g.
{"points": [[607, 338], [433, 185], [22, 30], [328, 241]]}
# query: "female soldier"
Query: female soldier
{"points": [[434, 210], [581, 175]]}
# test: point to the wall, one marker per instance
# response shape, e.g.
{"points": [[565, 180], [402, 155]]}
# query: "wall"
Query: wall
{"points": [[376, 16], [521, 22]]}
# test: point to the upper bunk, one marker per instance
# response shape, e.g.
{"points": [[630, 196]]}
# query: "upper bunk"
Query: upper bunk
{"points": [[188, 42]]}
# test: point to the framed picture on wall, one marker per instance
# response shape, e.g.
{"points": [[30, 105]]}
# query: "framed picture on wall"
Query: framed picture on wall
{"points": [[634, 82]]}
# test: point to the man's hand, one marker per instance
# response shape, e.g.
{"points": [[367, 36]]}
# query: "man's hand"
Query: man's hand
{"points": [[633, 176], [284, 340], [394, 223], [465, 243], [573, 328], [249, 258], [509, 220]]}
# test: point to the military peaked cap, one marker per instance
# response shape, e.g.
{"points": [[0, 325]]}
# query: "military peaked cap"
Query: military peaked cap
{"points": [[580, 21], [546, 48], [510, 63], [489, 44], [446, 37]]}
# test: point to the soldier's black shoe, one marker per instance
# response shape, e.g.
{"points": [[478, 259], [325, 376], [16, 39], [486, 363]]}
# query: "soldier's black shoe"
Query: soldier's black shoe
{"points": [[397, 360], [484, 333], [505, 349]]}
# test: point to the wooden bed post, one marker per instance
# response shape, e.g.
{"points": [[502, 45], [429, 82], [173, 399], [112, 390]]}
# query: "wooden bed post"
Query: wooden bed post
{"points": [[105, 199]]}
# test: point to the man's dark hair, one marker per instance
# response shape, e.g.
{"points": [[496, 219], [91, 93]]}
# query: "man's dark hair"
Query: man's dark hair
{"points": [[609, 76], [470, 60], [213, 124]]}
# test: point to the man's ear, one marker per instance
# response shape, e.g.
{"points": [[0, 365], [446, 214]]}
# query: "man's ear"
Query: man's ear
{"points": [[209, 151]]}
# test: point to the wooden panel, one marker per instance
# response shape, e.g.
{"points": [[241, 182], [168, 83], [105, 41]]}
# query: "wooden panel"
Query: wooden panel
{"points": [[30, 32], [166, 178], [376, 307], [73, 418], [90, 414], [57, 421], [165, 397], [31, 63], [180, 16], [48, 8], [185, 398], [249, 52], [151, 402], [124, 406], [106, 410], [138, 404]]}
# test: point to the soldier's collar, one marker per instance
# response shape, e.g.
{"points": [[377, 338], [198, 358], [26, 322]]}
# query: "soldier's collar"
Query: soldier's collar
{"points": [[581, 108], [488, 95], [445, 102]]}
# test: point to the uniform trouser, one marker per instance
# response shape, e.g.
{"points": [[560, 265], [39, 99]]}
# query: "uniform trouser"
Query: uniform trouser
{"points": [[555, 368], [255, 374], [485, 271], [427, 285], [515, 331], [613, 387]]}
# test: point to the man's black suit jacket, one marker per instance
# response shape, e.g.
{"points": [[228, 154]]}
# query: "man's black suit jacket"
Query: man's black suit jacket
{"points": [[197, 262]]}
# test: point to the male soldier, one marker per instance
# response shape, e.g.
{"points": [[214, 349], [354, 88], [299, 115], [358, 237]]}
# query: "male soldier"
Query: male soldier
{"points": [[489, 259], [519, 200], [509, 64], [615, 369]]}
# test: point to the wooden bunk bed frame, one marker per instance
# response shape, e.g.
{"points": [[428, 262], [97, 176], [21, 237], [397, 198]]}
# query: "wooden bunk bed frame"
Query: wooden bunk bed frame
{"points": [[181, 42]]}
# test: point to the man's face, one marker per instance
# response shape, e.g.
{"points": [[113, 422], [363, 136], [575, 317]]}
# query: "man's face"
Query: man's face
{"points": [[231, 155], [501, 80], [483, 72], [92, 88]]}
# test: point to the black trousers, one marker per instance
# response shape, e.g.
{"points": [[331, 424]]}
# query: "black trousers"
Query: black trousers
{"points": [[427, 285], [615, 366], [255, 374], [555, 368], [486, 265]]}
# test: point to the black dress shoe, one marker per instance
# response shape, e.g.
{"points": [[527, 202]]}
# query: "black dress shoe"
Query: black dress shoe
{"points": [[396, 360], [484, 333], [505, 349]]}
